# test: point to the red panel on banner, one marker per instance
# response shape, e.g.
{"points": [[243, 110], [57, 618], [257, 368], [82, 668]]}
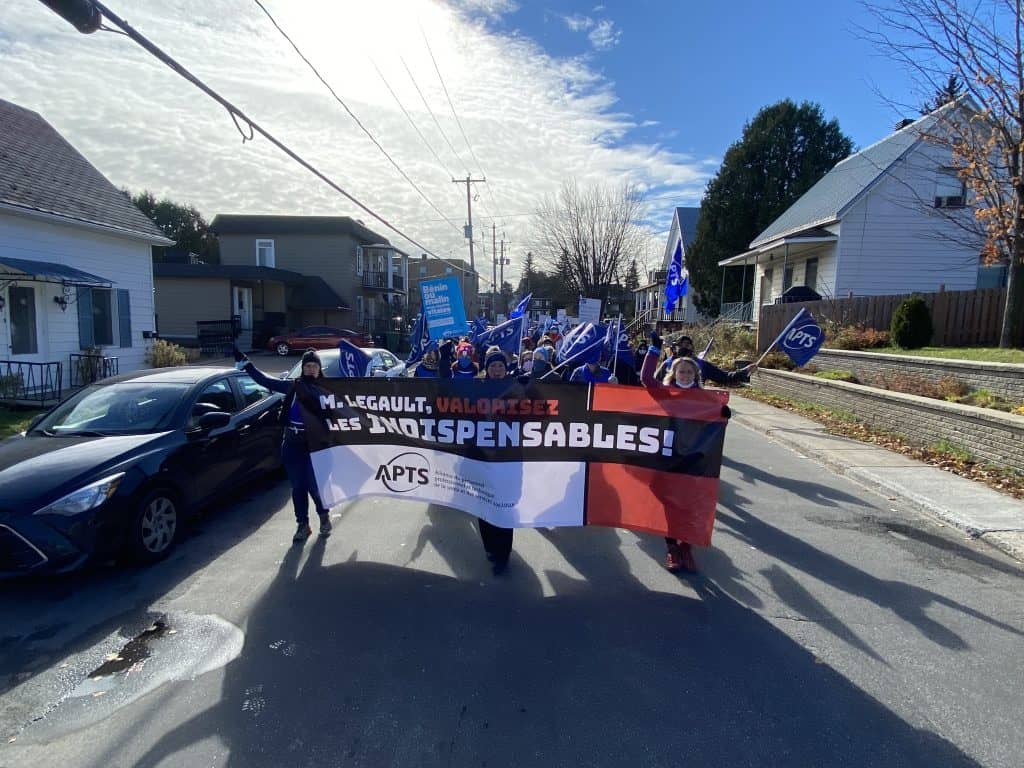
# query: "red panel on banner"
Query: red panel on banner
{"points": [[702, 404], [666, 503]]}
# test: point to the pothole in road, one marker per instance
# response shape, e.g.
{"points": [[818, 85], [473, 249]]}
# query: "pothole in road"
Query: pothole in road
{"points": [[175, 647], [129, 659]]}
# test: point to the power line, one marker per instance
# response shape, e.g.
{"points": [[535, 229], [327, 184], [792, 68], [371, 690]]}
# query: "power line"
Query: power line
{"points": [[411, 121], [354, 117], [427, 105], [455, 114], [238, 115]]}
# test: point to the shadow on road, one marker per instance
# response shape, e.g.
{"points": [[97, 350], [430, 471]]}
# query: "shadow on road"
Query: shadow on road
{"points": [[369, 664], [71, 612]]}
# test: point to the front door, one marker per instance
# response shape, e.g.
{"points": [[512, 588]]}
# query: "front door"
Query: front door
{"points": [[241, 305], [21, 337]]}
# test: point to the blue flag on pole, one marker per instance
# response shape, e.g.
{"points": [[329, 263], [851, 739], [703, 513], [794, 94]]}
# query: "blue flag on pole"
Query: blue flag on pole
{"points": [[477, 327], [675, 285], [521, 307], [420, 340], [508, 336], [802, 338], [352, 361], [583, 345]]}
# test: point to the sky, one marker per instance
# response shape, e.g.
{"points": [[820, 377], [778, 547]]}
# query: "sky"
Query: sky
{"points": [[527, 94]]}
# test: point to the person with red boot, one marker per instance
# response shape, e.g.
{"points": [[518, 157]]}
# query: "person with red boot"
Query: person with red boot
{"points": [[683, 373]]}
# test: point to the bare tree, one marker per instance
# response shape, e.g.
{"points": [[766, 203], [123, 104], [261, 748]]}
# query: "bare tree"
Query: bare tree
{"points": [[588, 235], [981, 42]]}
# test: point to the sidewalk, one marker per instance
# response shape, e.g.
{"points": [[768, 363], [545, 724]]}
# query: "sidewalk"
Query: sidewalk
{"points": [[976, 509]]}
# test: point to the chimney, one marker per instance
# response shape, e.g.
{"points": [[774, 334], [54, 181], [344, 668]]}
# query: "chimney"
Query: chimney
{"points": [[904, 123]]}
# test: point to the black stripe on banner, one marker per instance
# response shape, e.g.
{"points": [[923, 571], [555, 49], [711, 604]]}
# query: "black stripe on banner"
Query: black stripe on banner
{"points": [[518, 423]]}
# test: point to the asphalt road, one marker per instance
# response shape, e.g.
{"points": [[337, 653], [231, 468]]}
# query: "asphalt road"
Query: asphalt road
{"points": [[829, 626]]}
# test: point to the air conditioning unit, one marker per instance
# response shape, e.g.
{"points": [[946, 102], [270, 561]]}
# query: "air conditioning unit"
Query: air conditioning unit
{"points": [[950, 201]]}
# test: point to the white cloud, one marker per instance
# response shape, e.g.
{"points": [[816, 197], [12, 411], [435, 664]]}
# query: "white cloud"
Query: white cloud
{"points": [[576, 22], [604, 35], [533, 120]]}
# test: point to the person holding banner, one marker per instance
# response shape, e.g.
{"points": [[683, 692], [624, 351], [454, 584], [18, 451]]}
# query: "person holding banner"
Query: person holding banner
{"points": [[294, 448], [497, 541], [436, 364], [684, 373], [591, 372]]}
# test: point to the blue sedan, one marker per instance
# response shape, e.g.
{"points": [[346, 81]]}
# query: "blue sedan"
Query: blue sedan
{"points": [[114, 469]]}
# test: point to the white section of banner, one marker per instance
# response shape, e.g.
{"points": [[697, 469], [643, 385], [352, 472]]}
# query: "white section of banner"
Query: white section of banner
{"points": [[508, 494]]}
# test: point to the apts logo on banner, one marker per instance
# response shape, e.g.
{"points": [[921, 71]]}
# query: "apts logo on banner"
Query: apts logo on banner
{"points": [[405, 472], [802, 338]]}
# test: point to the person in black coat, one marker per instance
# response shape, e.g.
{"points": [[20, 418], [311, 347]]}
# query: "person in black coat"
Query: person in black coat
{"points": [[708, 370], [294, 448]]}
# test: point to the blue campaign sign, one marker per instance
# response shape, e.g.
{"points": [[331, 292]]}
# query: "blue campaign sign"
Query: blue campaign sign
{"points": [[442, 307]]}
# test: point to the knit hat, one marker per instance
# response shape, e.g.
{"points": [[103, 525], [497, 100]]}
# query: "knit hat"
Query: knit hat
{"points": [[544, 352], [495, 355], [310, 356]]}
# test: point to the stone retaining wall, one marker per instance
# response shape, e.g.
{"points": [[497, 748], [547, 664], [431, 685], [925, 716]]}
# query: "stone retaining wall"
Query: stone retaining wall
{"points": [[991, 437], [1003, 379]]}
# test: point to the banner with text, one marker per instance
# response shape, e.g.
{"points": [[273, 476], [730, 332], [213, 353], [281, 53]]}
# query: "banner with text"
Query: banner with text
{"points": [[442, 307], [526, 455]]}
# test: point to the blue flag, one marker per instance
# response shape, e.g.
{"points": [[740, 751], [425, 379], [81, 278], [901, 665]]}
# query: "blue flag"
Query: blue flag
{"points": [[508, 336], [420, 340], [801, 339], [622, 353], [582, 344], [352, 361], [521, 307], [477, 327], [675, 285]]}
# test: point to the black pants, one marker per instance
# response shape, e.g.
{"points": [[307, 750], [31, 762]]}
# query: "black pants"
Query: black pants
{"points": [[497, 541]]}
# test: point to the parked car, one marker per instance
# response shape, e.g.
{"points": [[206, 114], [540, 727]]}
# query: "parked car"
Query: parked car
{"points": [[382, 364], [115, 468], [315, 337]]}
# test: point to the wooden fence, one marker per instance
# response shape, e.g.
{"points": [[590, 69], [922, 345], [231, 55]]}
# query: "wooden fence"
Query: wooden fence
{"points": [[959, 318]]}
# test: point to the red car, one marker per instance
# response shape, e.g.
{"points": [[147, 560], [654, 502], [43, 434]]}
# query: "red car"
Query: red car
{"points": [[317, 337]]}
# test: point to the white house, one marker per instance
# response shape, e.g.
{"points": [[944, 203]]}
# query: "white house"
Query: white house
{"points": [[881, 222], [649, 298], [76, 270]]}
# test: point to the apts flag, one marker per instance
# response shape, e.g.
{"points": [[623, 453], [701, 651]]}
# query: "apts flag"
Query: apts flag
{"points": [[675, 285], [352, 361], [525, 455], [617, 345], [582, 344], [802, 338], [420, 340], [508, 336], [521, 307]]}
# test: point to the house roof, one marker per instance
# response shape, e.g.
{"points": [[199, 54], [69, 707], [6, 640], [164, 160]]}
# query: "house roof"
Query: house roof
{"points": [[41, 172], [49, 272], [687, 218], [244, 224], [839, 188], [225, 272], [314, 293]]}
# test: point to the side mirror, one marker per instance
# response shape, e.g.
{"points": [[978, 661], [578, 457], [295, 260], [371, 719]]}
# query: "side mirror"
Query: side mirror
{"points": [[213, 420], [35, 422]]}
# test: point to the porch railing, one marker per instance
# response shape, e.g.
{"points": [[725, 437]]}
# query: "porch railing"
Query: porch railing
{"points": [[85, 369], [29, 383], [736, 312], [214, 335], [375, 279]]}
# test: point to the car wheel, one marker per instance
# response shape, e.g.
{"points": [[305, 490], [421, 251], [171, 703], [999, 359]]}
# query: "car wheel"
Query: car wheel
{"points": [[154, 527], [283, 349]]}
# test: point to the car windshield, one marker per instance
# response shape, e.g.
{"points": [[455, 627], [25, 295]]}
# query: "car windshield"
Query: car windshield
{"points": [[115, 409]]}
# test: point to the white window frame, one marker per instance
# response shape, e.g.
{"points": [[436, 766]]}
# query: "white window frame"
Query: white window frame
{"points": [[269, 245], [948, 180]]}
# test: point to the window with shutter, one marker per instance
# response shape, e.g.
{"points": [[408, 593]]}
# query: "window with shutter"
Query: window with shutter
{"points": [[124, 317]]}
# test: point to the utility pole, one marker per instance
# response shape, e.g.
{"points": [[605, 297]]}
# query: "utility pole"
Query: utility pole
{"points": [[469, 213], [494, 264], [502, 278]]}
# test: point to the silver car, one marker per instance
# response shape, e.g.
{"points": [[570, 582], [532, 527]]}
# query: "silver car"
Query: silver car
{"points": [[383, 364]]}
